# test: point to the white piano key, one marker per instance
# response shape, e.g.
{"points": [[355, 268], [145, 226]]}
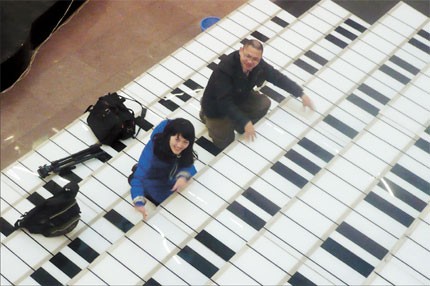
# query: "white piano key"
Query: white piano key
{"points": [[254, 208], [224, 35], [152, 84], [98, 193], [420, 235], [299, 72], [378, 43], [233, 170], [231, 275], [23, 177], [200, 50], [254, 13], [405, 54], [357, 111], [407, 186], [389, 134], [177, 67], [288, 122], [353, 66], [81, 130], [170, 227], [293, 234], [301, 171], [206, 200], [275, 134], [418, 96], [122, 275], [166, 76], [106, 229], [397, 25], [310, 32], [88, 278], [28, 250], [247, 157], [399, 273], [337, 79], [408, 47], [266, 31], [351, 173], [296, 39], [379, 148], [414, 167], [212, 179], [55, 272], [225, 235], [258, 267], [324, 89], [321, 20], [15, 268], [388, 34], [274, 56], [378, 280], [185, 211], [316, 274], [365, 160], [411, 110], [212, 43], [324, 203], [407, 14], [419, 155], [133, 257], [266, 7], [309, 218], [368, 51]]}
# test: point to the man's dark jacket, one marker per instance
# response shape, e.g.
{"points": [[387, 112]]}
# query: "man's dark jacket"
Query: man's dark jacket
{"points": [[228, 86]]}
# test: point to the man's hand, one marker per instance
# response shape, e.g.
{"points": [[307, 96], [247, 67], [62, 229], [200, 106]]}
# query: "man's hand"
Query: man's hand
{"points": [[180, 184], [250, 131], [142, 210], [307, 101]]}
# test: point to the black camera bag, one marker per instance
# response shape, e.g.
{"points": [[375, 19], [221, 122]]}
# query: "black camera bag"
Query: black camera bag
{"points": [[111, 120], [55, 216]]}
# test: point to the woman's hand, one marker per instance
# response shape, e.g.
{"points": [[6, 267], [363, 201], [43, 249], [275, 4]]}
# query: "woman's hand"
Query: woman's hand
{"points": [[307, 101], [180, 184], [249, 131], [142, 210]]}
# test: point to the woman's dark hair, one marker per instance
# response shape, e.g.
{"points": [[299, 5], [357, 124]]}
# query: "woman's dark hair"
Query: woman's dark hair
{"points": [[178, 126]]}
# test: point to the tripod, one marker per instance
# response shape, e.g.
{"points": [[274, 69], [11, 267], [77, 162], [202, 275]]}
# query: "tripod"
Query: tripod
{"points": [[68, 163]]}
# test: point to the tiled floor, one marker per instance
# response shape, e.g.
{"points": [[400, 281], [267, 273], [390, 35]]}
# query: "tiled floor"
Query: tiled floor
{"points": [[336, 196]]}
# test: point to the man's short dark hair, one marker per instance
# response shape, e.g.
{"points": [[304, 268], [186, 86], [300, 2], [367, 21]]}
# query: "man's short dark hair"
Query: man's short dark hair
{"points": [[254, 43]]}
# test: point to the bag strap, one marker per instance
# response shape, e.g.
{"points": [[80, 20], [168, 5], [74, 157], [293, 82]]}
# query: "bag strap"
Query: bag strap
{"points": [[142, 111]]}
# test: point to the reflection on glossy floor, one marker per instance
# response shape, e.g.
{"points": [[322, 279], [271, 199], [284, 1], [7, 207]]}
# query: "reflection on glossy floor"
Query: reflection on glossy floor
{"points": [[338, 196], [104, 46]]}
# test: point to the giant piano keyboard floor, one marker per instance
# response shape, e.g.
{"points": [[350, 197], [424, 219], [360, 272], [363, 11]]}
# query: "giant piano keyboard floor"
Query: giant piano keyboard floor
{"points": [[331, 197]]}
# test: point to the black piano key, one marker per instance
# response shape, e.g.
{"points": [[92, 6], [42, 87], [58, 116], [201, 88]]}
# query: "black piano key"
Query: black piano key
{"points": [[402, 194], [198, 261], [36, 199], [83, 249], [208, 146], [181, 94], [339, 125], [151, 282], [346, 33], [338, 42], [404, 64], [146, 125], [212, 66], [304, 65], [362, 240], [246, 215], [389, 209], [192, 84], [411, 178], [272, 94], [420, 45], [5, 227], [259, 36], [373, 93], [395, 74], [423, 145], [279, 21], [65, 265], [348, 257], [355, 25], [52, 187], [70, 176], [314, 56], [215, 245], [169, 104], [315, 149], [363, 104], [261, 201], [118, 220], [424, 34], [427, 130], [117, 146], [299, 280], [42, 277], [302, 161], [289, 174]]}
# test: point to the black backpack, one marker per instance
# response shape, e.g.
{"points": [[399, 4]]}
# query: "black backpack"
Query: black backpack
{"points": [[56, 216], [111, 120]]}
